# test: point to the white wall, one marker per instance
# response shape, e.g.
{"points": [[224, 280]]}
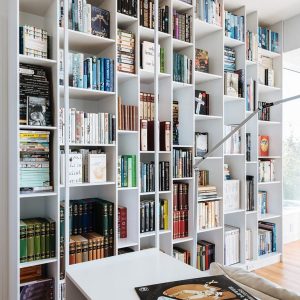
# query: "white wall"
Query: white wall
{"points": [[3, 153], [291, 34]]}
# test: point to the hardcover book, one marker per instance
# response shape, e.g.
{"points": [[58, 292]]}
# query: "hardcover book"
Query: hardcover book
{"points": [[201, 60], [201, 103], [212, 287], [231, 84], [100, 22], [97, 168]]}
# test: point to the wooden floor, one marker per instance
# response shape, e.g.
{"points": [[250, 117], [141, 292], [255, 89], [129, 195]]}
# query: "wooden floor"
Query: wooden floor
{"points": [[287, 273]]}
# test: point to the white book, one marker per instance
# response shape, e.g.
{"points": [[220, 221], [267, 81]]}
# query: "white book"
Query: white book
{"points": [[148, 56], [231, 195], [96, 168], [75, 168]]}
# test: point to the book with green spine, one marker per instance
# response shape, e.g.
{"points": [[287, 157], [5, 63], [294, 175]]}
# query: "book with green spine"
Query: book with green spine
{"points": [[52, 237], [23, 242], [134, 170], [47, 239], [30, 239], [43, 239], [37, 239]]}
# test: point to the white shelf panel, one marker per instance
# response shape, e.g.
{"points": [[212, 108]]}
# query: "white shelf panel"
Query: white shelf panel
{"points": [[86, 184], [29, 127], [251, 212], [183, 178], [180, 85], [179, 44], [267, 123], [183, 146], [164, 192], [164, 152], [206, 117], [86, 94], [37, 262], [35, 7], [229, 42], [123, 76], [127, 189], [233, 99], [209, 199], [148, 76], [209, 229], [269, 182], [127, 132], [44, 62], [181, 5], [262, 217], [36, 195], [234, 154], [148, 34], [182, 240], [147, 152], [203, 28], [210, 158], [161, 232], [268, 53], [250, 63], [125, 20], [204, 77], [270, 157], [126, 242], [147, 193], [237, 211], [147, 234], [251, 162], [262, 89], [90, 145]]}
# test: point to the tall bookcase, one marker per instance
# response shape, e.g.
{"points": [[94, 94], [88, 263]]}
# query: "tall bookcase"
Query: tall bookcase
{"points": [[224, 110]]}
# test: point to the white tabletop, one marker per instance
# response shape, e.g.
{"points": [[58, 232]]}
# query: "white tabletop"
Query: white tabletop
{"points": [[116, 277]]}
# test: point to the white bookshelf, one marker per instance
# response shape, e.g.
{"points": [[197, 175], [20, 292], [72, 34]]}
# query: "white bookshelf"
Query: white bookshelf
{"points": [[224, 110]]}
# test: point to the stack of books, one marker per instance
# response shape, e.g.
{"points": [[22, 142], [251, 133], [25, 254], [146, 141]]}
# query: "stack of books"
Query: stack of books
{"points": [[250, 206], [266, 73], [147, 176], [37, 239], [234, 26], [267, 236], [35, 161], [205, 255], [147, 215], [126, 51], [268, 39], [201, 102], [182, 26], [164, 176], [163, 214], [266, 170], [207, 192], [127, 171], [251, 46], [182, 163], [128, 7], [208, 214], [87, 128], [127, 116], [182, 68], [182, 255], [86, 18], [35, 96], [232, 245], [262, 202], [209, 11], [201, 61], [233, 144], [122, 222], [264, 114], [180, 210], [33, 41]]}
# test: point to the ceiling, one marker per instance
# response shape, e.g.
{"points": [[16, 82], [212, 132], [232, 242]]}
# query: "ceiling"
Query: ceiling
{"points": [[269, 11]]}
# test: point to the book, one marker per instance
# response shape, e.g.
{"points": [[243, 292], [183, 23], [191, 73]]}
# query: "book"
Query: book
{"points": [[147, 106], [38, 289], [147, 216], [233, 144], [249, 244], [251, 46], [201, 103], [264, 114], [248, 146], [182, 255], [229, 59], [210, 11], [262, 203], [127, 170], [264, 145], [147, 177], [251, 95], [96, 168], [165, 136], [100, 25], [32, 273], [201, 143], [182, 26], [127, 7], [267, 237], [182, 162], [231, 84], [268, 39], [201, 61], [164, 175], [126, 51], [232, 245], [182, 68], [175, 113], [266, 170], [205, 254], [163, 214], [231, 197], [208, 213], [250, 201], [211, 286], [127, 116], [122, 222]]}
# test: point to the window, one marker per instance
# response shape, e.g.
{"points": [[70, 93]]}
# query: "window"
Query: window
{"points": [[291, 139]]}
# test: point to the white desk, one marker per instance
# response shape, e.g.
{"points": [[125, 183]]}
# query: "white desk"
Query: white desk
{"points": [[116, 277]]}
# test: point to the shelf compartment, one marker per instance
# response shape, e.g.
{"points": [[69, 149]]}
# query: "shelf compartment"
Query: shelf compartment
{"points": [[204, 77], [148, 34], [126, 242], [44, 62], [86, 94], [148, 76], [268, 216], [38, 262], [229, 42], [35, 7], [181, 5], [203, 28], [181, 85]]}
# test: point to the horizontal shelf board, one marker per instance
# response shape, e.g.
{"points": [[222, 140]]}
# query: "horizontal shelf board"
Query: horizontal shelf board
{"points": [[251, 212], [147, 152], [127, 132], [206, 117], [209, 199], [233, 99], [164, 192], [183, 178], [44, 62], [181, 5], [251, 162], [29, 127], [209, 229], [125, 19], [203, 28], [164, 152], [181, 85], [234, 154], [269, 182], [268, 216], [126, 242], [179, 44], [147, 234], [164, 231], [85, 42], [269, 255], [37, 262], [266, 123], [147, 193], [35, 7], [237, 211], [250, 63], [148, 76], [148, 34], [85, 94], [127, 188], [209, 158], [270, 157], [84, 184], [204, 77], [123, 76], [267, 89], [268, 53], [89, 145], [182, 240], [183, 146], [229, 42], [35, 195]]}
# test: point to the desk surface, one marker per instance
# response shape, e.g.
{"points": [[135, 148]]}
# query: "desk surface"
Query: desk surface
{"points": [[116, 277]]}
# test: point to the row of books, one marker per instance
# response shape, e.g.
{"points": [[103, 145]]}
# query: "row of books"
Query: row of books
{"points": [[182, 68], [207, 192], [87, 128], [203, 178], [147, 175], [262, 202], [147, 106], [182, 163], [205, 255], [127, 116], [251, 95], [180, 224], [233, 144], [232, 245], [87, 18], [234, 83], [126, 51], [264, 114], [182, 255], [163, 214], [231, 198], [201, 61], [208, 214], [234, 26], [127, 165], [268, 39], [229, 60], [122, 222], [266, 170], [209, 11], [85, 165], [251, 46], [127, 7], [182, 26], [147, 215], [201, 102], [35, 161], [37, 239], [35, 96], [263, 145], [201, 143], [250, 198], [267, 235], [34, 41]]}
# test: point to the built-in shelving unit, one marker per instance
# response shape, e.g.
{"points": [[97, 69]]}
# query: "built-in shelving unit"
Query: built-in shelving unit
{"points": [[225, 110]]}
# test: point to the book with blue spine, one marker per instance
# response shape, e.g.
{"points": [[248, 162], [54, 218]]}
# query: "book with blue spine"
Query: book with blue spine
{"points": [[106, 74], [111, 75], [101, 74], [94, 72]]}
